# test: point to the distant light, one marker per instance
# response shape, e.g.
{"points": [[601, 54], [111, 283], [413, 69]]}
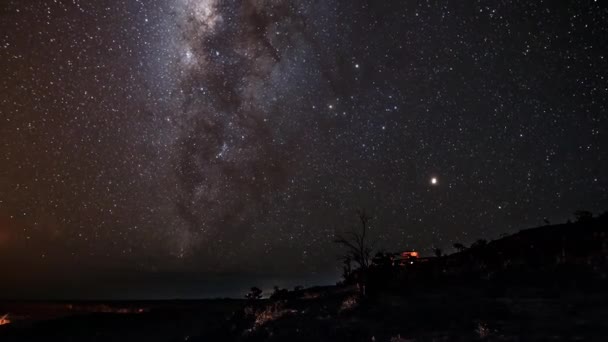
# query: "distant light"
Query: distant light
{"points": [[434, 181]]}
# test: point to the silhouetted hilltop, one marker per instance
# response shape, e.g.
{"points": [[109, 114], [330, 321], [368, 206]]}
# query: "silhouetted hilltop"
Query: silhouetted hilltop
{"points": [[556, 256], [561, 243], [583, 244]]}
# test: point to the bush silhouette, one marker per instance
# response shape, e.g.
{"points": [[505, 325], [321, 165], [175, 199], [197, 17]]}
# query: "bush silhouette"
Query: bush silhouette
{"points": [[254, 293]]}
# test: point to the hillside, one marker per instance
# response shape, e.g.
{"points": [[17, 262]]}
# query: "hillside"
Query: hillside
{"points": [[546, 283]]}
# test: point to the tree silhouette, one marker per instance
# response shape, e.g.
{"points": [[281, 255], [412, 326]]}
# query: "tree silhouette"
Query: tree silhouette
{"points": [[438, 252], [279, 293], [383, 260], [459, 247], [583, 216], [479, 243], [254, 293], [347, 268], [356, 243]]}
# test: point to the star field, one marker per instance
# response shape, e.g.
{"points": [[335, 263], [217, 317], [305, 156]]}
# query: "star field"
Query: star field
{"points": [[224, 136]]}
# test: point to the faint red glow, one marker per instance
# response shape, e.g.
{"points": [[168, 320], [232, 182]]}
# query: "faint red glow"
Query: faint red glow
{"points": [[4, 320], [411, 254], [407, 258]]}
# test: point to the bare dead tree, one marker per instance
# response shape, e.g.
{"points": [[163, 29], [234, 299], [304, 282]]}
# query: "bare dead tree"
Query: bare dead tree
{"points": [[356, 243]]}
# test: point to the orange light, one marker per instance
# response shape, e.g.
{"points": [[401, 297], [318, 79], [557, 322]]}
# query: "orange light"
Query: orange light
{"points": [[4, 320], [412, 254]]}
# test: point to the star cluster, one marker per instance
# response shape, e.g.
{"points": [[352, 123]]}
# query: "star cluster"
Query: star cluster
{"points": [[219, 136]]}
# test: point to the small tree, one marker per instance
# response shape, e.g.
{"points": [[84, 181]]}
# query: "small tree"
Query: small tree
{"points": [[254, 293], [583, 216], [438, 252], [479, 243], [383, 260], [459, 247], [279, 293], [356, 244]]}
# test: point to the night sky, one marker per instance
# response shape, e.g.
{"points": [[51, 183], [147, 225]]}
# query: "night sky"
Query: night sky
{"points": [[167, 148]]}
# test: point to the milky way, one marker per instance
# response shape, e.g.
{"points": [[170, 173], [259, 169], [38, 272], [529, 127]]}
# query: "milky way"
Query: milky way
{"points": [[211, 136]]}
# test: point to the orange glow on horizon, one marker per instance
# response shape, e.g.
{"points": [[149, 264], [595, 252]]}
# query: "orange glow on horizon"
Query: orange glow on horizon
{"points": [[4, 320]]}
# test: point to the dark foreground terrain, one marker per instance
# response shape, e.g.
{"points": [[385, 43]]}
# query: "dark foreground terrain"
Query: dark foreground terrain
{"points": [[543, 284], [330, 314]]}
